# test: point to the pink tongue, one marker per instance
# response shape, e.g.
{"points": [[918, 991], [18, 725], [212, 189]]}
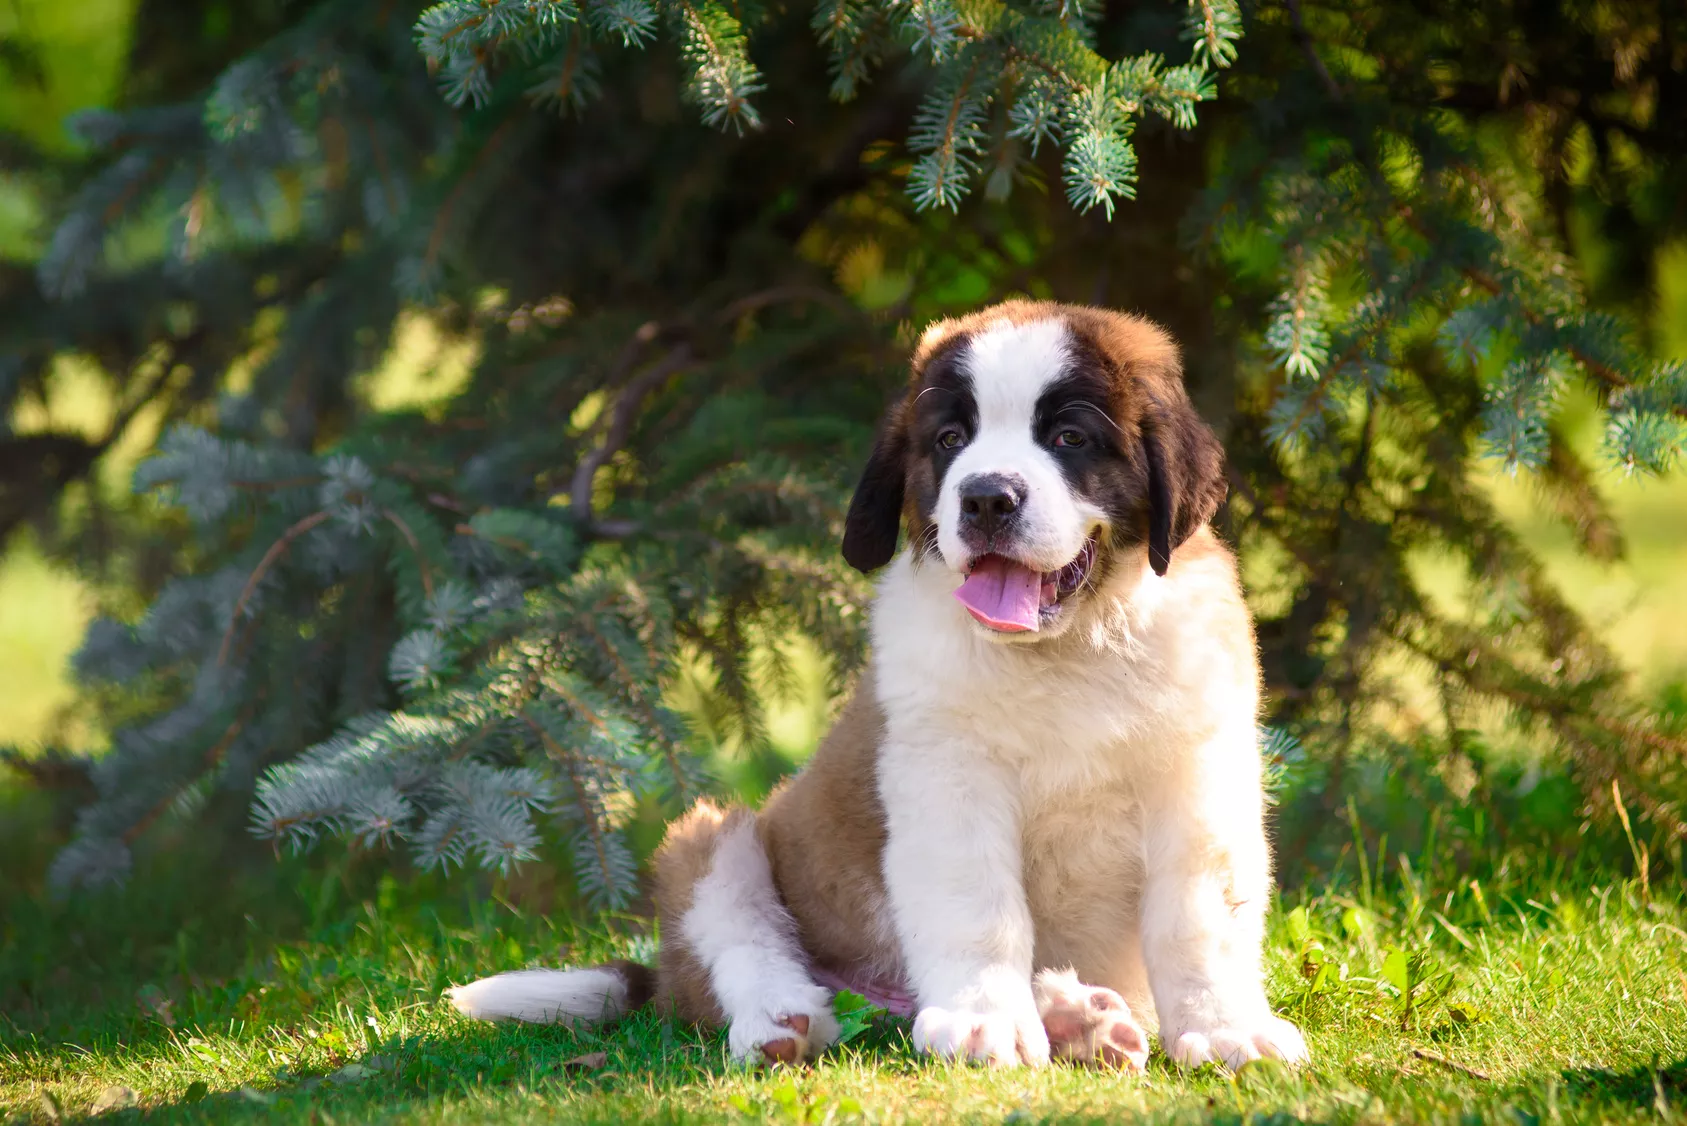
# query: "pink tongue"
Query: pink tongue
{"points": [[1003, 594]]}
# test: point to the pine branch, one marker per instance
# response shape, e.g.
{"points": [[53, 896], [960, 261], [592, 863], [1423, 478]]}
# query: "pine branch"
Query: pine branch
{"points": [[630, 684], [586, 816], [949, 130], [723, 78], [276, 550]]}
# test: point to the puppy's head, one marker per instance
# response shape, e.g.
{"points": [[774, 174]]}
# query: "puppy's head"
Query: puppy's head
{"points": [[1038, 446]]}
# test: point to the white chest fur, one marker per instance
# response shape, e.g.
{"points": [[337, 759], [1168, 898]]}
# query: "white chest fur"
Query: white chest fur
{"points": [[1111, 701], [1080, 745]]}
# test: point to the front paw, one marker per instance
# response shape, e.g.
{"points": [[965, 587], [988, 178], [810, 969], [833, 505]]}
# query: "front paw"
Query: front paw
{"points": [[1235, 1042], [787, 1027], [1000, 1039], [1089, 1023]]}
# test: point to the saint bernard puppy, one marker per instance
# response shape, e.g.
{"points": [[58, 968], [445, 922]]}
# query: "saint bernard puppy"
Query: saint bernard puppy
{"points": [[1037, 827]]}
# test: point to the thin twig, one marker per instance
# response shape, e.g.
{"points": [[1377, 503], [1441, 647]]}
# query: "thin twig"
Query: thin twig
{"points": [[631, 353], [1451, 1065], [451, 504], [636, 692], [621, 419], [275, 552], [588, 815], [780, 294], [520, 547], [1209, 31], [279, 483], [1322, 386], [442, 218], [1304, 40], [421, 560], [213, 756]]}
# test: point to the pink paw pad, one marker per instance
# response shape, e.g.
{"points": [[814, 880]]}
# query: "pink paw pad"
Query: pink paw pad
{"points": [[1090, 1024], [788, 1050]]}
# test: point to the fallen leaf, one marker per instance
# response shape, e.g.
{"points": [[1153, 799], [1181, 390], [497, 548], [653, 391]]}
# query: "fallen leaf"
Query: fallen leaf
{"points": [[196, 1090], [50, 1108], [157, 1005], [351, 1073], [113, 1098], [591, 1061]]}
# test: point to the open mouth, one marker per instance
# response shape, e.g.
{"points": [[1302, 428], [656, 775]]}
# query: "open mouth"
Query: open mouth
{"points": [[1006, 595]]}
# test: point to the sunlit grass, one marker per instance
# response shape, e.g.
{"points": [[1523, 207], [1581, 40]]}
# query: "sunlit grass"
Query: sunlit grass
{"points": [[1530, 1000]]}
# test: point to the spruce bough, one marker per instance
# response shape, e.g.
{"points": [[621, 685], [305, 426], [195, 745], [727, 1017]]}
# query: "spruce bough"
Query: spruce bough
{"points": [[451, 630]]}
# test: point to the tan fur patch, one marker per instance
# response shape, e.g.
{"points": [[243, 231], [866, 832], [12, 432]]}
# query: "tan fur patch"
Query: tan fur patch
{"points": [[824, 833]]}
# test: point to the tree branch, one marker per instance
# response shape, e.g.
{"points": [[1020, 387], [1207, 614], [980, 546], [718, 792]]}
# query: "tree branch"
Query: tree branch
{"points": [[1303, 40], [410, 537], [275, 552], [621, 419]]}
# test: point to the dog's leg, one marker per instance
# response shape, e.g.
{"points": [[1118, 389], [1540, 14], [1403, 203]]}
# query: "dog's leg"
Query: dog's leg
{"points": [[1203, 916], [1088, 1023], [952, 874], [729, 947]]}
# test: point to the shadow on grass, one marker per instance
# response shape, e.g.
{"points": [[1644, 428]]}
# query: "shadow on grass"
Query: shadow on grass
{"points": [[212, 927], [1657, 1086], [645, 1066]]}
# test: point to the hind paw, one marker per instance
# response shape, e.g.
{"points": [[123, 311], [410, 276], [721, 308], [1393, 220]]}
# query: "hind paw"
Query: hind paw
{"points": [[1088, 1023]]}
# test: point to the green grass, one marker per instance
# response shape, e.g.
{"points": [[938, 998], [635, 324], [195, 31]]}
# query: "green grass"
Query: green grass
{"points": [[244, 990]]}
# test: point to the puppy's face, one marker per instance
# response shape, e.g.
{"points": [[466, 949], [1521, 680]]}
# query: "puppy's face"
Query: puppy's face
{"points": [[1038, 445]]}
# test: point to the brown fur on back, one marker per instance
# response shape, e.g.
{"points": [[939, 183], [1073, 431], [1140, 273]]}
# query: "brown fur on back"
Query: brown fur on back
{"points": [[687, 851], [824, 833]]}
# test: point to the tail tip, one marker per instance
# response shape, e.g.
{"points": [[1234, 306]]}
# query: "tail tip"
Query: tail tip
{"points": [[584, 996]]}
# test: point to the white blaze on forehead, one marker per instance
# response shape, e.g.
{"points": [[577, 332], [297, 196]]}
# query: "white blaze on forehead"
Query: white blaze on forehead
{"points": [[1011, 366]]}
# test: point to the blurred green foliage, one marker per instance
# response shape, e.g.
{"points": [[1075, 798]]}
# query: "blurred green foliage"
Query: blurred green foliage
{"points": [[1428, 291]]}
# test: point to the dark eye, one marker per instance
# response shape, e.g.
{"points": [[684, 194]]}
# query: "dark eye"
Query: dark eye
{"points": [[1070, 439], [948, 438]]}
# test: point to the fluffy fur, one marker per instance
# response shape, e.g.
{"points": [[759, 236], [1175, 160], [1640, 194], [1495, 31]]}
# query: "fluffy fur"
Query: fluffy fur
{"points": [[1051, 839]]}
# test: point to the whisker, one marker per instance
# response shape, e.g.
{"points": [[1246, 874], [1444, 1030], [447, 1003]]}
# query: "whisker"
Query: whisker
{"points": [[927, 543], [1086, 405]]}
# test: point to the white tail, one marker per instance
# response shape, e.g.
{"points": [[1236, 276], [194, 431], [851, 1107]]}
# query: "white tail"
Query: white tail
{"points": [[552, 996]]}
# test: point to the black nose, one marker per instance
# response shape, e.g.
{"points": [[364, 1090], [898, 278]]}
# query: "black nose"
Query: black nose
{"points": [[989, 500]]}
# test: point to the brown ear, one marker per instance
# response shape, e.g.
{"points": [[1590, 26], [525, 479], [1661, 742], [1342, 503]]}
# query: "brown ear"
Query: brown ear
{"points": [[875, 512], [1185, 477]]}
